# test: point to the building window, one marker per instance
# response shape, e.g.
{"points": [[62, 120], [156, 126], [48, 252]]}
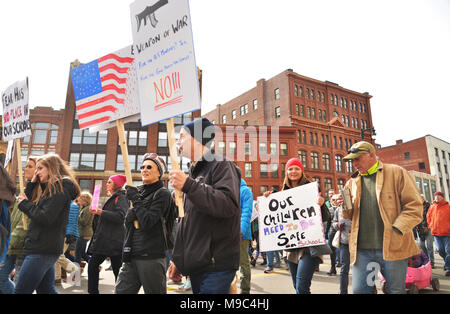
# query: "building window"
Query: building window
{"points": [[338, 163], [301, 91], [314, 160], [224, 119], [232, 146], [277, 93], [297, 109], [304, 137], [87, 161], [299, 136], [247, 148], [341, 184], [308, 113], [303, 158], [407, 156], [328, 184], [221, 148], [295, 90], [263, 170], [277, 112], [350, 166], [302, 110], [263, 189], [313, 113], [274, 170], [283, 149], [248, 170], [262, 149], [244, 109], [162, 139], [421, 165], [233, 114], [255, 104], [326, 162], [311, 138], [273, 148]]}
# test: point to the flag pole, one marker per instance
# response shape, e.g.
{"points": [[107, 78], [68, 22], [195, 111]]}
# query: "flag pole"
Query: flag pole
{"points": [[175, 164], [126, 162]]}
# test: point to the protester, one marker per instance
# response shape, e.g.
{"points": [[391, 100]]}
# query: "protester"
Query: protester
{"points": [[344, 226], [385, 209], [246, 197], [424, 233], [418, 260], [63, 263], [207, 243], [7, 224], [85, 219], [438, 219], [328, 203], [109, 232], [144, 248], [256, 253], [301, 264], [46, 202], [335, 254]]}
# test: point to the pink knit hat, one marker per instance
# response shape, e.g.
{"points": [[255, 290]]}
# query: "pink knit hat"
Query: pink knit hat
{"points": [[292, 162], [119, 179]]}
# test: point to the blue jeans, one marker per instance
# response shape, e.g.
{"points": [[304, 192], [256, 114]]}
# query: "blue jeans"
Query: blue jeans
{"points": [[427, 246], [303, 272], [345, 268], [218, 282], [37, 273], [80, 251], [443, 247], [365, 271], [270, 256], [7, 266]]}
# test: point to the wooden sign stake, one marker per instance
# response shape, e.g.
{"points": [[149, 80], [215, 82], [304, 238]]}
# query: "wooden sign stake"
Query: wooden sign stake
{"points": [[126, 162], [20, 171], [175, 164]]}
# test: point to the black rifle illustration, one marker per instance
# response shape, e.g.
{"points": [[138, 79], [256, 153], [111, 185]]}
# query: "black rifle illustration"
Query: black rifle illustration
{"points": [[150, 13]]}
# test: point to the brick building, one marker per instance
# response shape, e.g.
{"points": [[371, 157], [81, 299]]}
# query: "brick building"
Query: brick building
{"points": [[325, 117], [429, 155]]}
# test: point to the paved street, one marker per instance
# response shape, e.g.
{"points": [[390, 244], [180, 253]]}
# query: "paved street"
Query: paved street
{"points": [[278, 282]]}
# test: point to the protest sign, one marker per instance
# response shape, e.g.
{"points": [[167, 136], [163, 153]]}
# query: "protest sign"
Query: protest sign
{"points": [[105, 90], [290, 219], [96, 197], [16, 116], [254, 211], [165, 61]]}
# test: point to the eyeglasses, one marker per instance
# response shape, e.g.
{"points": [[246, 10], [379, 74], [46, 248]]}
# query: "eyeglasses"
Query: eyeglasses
{"points": [[148, 167], [356, 150]]}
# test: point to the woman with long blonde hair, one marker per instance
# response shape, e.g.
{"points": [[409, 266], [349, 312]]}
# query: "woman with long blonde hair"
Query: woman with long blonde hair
{"points": [[47, 202]]}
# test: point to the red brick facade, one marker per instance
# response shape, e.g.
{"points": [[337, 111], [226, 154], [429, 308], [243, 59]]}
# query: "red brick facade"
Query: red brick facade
{"points": [[326, 120]]}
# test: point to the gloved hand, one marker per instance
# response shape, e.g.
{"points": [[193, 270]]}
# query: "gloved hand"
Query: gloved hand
{"points": [[132, 193], [130, 217]]}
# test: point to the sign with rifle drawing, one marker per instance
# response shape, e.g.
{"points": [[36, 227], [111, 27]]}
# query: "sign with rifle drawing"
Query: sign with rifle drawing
{"points": [[165, 60]]}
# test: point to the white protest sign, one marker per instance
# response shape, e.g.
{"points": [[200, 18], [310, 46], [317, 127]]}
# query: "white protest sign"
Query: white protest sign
{"points": [[290, 219], [16, 116], [165, 61]]}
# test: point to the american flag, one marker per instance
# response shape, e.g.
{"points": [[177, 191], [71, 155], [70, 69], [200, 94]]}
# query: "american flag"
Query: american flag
{"points": [[100, 88]]}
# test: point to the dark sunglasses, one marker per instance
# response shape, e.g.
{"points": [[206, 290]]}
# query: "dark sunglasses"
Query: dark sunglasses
{"points": [[148, 167], [357, 150]]}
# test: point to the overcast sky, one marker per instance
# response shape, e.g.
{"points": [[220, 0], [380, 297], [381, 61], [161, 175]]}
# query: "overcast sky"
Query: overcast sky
{"points": [[397, 50]]}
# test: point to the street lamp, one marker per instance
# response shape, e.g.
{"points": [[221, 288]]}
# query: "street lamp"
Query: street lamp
{"points": [[368, 129]]}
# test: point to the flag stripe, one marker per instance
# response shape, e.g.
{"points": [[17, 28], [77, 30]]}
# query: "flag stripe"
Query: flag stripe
{"points": [[99, 120], [113, 66], [114, 87], [97, 111], [115, 57], [112, 76], [102, 99]]}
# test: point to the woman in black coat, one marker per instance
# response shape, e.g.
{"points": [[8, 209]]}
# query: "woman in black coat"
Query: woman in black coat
{"points": [[109, 232]]}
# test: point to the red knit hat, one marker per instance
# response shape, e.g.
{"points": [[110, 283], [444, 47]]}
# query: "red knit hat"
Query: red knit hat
{"points": [[294, 162], [119, 179]]}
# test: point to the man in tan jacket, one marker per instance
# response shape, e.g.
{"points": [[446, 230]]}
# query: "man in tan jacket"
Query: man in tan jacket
{"points": [[385, 207]]}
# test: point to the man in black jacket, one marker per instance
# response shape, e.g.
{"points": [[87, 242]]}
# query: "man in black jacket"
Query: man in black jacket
{"points": [[144, 248], [208, 237]]}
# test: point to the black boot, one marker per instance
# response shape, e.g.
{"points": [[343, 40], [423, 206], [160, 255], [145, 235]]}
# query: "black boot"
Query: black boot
{"points": [[332, 271]]}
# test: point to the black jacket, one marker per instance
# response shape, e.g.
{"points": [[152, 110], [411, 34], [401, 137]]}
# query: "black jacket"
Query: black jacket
{"points": [[147, 242], [109, 227], [47, 227], [208, 236]]}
